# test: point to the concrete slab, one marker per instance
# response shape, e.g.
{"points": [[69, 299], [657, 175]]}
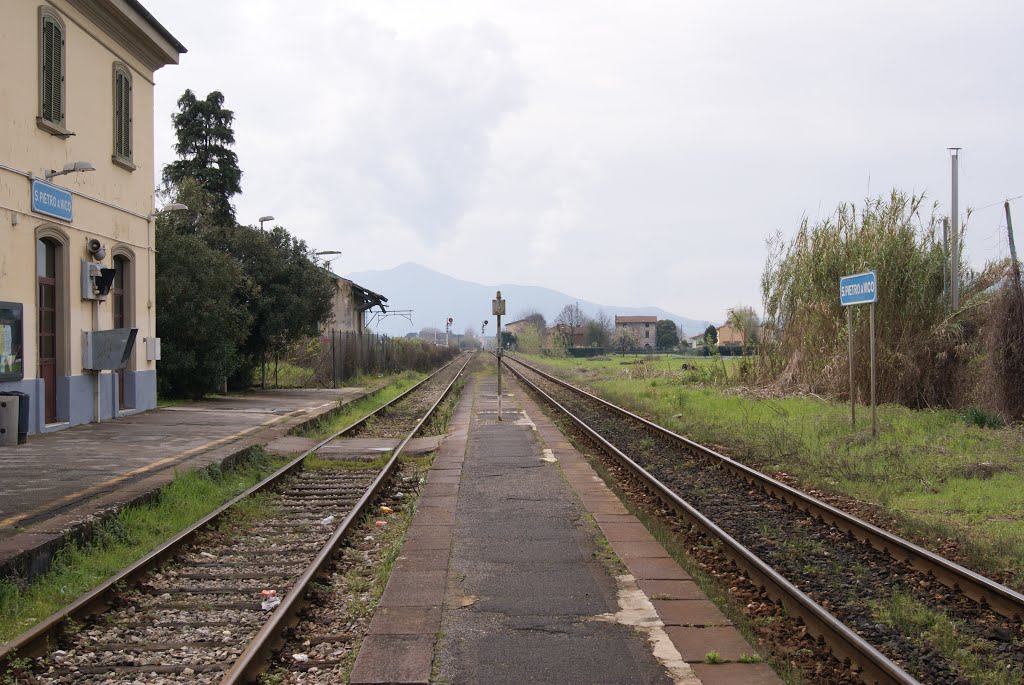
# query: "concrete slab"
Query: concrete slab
{"points": [[390, 620], [694, 643], [690, 612], [397, 659], [671, 589], [736, 674]]}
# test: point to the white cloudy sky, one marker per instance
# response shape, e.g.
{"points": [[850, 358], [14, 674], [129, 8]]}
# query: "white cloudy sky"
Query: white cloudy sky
{"points": [[630, 153]]}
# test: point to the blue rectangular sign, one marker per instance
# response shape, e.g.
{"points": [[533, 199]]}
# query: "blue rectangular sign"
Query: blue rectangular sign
{"points": [[50, 200], [858, 289]]}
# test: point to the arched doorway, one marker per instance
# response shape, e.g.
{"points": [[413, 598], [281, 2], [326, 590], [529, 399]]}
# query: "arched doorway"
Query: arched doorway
{"points": [[48, 302]]}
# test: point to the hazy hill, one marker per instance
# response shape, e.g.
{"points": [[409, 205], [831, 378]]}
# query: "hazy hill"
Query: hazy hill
{"points": [[434, 297]]}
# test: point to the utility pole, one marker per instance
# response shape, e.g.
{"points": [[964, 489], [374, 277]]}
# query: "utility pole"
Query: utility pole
{"points": [[954, 238], [1009, 233]]}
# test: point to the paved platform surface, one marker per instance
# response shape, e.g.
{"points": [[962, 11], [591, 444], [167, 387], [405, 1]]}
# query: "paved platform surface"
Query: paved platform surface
{"points": [[59, 480], [499, 579]]}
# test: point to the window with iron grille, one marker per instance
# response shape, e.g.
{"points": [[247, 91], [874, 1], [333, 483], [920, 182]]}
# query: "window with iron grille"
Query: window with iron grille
{"points": [[122, 113], [51, 61]]}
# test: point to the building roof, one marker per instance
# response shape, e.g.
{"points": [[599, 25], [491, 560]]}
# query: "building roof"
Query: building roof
{"points": [[635, 319], [364, 298], [151, 20]]}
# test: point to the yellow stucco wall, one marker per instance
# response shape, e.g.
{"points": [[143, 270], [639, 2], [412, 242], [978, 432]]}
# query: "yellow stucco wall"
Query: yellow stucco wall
{"points": [[90, 56]]}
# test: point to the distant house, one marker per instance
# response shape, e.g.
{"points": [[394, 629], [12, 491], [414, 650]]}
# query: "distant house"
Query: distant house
{"points": [[351, 302], [729, 335], [697, 341], [643, 328], [560, 333], [516, 327]]}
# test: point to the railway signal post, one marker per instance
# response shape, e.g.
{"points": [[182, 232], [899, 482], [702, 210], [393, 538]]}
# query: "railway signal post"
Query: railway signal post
{"points": [[497, 309], [860, 289]]}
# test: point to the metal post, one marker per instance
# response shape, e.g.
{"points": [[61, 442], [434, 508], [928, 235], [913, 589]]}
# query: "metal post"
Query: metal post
{"points": [[955, 233], [874, 430], [498, 346], [849, 329], [1009, 234]]}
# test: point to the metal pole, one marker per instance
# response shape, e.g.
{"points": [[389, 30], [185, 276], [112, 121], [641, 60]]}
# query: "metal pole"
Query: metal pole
{"points": [[874, 430], [498, 346], [853, 407], [1009, 234], [334, 361], [955, 232]]}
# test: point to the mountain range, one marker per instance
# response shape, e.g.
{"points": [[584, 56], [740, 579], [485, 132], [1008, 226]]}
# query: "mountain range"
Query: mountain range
{"points": [[433, 297]]}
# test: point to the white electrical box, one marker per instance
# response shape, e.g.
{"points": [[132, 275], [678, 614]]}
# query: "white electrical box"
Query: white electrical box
{"points": [[153, 349]]}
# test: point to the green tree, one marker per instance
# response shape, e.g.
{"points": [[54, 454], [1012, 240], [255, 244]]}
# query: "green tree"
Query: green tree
{"points": [[666, 334], [710, 335], [290, 295], [202, 319], [204, 133], [597, 332]]}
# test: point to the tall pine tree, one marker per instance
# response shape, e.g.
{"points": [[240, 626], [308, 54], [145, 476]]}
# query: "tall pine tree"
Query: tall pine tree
{"points": [[205, 137]]}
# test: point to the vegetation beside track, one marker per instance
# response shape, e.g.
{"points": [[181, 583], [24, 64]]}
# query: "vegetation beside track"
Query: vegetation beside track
{"points": [[128, 536], [394, 385], [949, 482]]}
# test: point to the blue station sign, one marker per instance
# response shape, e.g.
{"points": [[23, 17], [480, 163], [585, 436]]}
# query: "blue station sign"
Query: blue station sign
{"points": [[858, 289], [51, 200]]}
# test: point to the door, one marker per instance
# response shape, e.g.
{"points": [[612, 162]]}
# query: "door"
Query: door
{"points": [[46, 280], [119, 307]]}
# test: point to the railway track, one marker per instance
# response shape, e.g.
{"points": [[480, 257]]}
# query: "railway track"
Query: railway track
{"points": [[211, 604], [871, 595]]}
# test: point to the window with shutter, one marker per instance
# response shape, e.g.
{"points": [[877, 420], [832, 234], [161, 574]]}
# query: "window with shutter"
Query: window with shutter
{"points": [[122, 113], [51, 85]]}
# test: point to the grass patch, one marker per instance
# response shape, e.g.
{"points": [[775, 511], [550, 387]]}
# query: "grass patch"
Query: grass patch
{"points": [[393, 386], [923, 468], [976, 658], [130, 535]]}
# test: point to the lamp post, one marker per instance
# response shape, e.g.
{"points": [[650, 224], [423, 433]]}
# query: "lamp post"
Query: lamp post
{"points": [[265, 218]]}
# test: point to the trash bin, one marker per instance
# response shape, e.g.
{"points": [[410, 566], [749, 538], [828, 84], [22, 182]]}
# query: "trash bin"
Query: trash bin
{"points": [[24, 402]]}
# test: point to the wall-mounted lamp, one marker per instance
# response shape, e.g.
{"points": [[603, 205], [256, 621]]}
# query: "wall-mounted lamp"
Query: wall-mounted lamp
{"points": [[70, 168]]}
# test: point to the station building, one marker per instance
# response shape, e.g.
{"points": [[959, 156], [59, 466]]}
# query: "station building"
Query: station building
{"points": [[77, 317]]}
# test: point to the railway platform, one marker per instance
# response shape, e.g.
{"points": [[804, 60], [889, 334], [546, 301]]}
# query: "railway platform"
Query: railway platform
{"points": [[522, 566], [58, 483]]}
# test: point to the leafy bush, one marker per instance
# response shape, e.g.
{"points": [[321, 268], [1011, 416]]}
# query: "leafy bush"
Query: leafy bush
{"points": [[976, 416]]}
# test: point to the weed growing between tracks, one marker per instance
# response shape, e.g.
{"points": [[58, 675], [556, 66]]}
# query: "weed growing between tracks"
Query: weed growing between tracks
{"points": [[128, 536], [943, 481], [975, 657]]}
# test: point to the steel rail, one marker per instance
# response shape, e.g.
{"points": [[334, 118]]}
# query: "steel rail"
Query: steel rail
{"points": [[875, 666], [257, 655], [985, 591], [42, 637]]}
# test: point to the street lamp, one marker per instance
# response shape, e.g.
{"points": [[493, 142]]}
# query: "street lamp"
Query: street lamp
{"points": [[265, 218], [336, 254], [70, 168]]}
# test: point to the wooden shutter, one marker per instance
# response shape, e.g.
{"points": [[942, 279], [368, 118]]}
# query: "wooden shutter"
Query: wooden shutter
{"points": [[122, 113], [52, 80]]}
